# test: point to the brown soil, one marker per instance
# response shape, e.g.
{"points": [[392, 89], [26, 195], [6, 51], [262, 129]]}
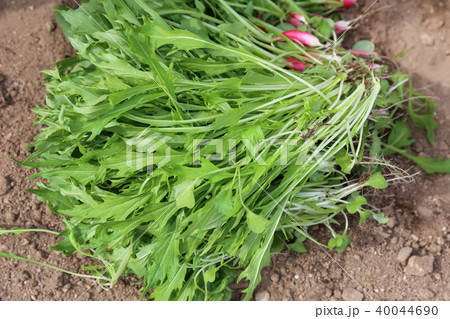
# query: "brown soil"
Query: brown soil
{"points": [[30, 42]]}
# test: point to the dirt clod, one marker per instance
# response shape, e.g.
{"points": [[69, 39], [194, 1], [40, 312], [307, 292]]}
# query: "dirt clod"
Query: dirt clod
{"points": [[275, 277], [427, 40], [425, 211], [404, 254], [350, 294], [50, 26], [419, 266], [262, 295], [5, 185], [426, 294], [392, 222], [434, 24]]}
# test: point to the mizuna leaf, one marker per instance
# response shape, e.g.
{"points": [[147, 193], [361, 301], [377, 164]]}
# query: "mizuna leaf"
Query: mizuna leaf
{"points": [[428, 164], [224, 201], [261, 257], [184, 194], [399, 136]]}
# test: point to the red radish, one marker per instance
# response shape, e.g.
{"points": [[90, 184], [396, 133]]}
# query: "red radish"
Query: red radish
{"points": [[301, 37], [295, 64], [296, 19], [362, 53], [341, 26], [293, 21], [346, 4]]}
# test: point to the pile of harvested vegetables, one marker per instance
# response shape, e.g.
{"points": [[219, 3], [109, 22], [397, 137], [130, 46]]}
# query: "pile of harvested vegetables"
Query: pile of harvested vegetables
{"points": [[189, 140]]}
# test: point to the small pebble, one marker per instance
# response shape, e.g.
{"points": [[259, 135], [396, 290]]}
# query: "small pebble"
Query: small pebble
{"points": [[427, 40], [419, 266], [337, 294], [436, 249], [425, 211], [66, 288], [404, 254], [262, 295], [434, 24], [275, 277], [5, 185], [426, 294], [392, 222], [350, 294], [50, 26]]}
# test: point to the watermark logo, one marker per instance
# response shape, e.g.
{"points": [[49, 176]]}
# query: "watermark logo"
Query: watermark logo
{"points": [[149, 150]]}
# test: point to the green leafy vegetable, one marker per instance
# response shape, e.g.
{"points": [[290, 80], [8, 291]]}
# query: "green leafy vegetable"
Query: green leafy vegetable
{"points": [[179, 148]]}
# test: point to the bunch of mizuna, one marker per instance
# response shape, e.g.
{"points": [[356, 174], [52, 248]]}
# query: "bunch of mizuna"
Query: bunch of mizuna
{"points": [[183, 145]]}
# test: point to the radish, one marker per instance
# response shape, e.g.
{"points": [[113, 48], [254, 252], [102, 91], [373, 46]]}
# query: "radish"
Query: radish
{"points": [[362, 53], [301, 37], [348, 4], [341, 26], [345, 4], [296, 19], [295, 64]]}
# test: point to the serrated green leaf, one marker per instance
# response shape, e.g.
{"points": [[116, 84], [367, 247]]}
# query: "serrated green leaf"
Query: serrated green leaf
{"points": [[184, 194], [399, 136], [224, 201], [428, 164]]}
